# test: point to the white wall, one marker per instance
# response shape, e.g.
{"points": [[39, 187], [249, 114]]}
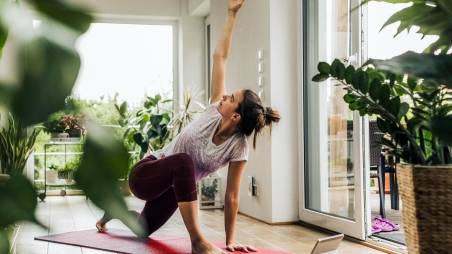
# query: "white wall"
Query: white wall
{"points": [[191, 32], [250, 35], [271, 26], [284, 87]]}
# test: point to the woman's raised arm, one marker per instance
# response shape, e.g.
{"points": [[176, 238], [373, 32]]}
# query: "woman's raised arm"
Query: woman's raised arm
{"points": [[221, 53]]}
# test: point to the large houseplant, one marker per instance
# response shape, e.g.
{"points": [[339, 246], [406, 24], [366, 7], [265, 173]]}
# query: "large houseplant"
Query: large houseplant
{"points": [[16, 145], [411, 95], [147, 128]]}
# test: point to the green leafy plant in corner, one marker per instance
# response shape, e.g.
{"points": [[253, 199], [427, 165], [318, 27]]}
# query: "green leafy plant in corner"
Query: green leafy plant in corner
{"points": [[411, 93]]}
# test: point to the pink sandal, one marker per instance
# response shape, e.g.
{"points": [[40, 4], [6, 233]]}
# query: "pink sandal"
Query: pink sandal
{"points": [[380, 224]]}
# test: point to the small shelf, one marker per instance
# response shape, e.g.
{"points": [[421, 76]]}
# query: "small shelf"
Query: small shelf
{"points": [[52, 179]]}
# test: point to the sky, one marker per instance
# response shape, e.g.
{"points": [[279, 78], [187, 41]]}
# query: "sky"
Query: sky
{"points": [[131, 60]]}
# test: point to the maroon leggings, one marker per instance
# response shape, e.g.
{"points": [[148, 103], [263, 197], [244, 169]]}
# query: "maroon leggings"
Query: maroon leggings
{"points": [[162, 183]]}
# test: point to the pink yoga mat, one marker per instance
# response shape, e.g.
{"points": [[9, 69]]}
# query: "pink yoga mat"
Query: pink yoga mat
{"points": [[121, 241]]}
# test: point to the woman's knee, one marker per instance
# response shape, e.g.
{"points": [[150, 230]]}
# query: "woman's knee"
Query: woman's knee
{"points": [[184, 159], [185, 165]]}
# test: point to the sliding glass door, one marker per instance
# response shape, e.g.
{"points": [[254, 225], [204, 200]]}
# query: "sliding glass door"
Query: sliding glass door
{"points": [[332, 193]]}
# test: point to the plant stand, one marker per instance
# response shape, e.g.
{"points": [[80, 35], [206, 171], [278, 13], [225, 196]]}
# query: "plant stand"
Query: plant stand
{"points": [[209, 193], [64, 183]]}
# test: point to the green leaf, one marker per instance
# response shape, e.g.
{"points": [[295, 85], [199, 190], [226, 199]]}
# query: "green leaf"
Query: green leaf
{"points": [[349, 98], [155, 120], [138, 138], [335, 68], [375, 86], [145, 119], [324, 68], [47, 76], [394, 106], [72, 16], [152, 133], [144, 147], [123, 108], [363, 81], [320, 77], [441, 128], [407, 15], [4, 242], [384, 94], [359, 104], [404, 107], [104, 161], [349, 72], [424, 66], [19, 201], [3, 37], [412, 83], [341, 71]]}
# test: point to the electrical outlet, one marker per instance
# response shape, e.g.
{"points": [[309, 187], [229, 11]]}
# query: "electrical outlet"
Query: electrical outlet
{"points": [[252, 186]]}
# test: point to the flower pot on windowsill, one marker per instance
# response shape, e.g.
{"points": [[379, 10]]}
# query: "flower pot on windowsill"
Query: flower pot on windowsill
{"points": [[426, 193]]}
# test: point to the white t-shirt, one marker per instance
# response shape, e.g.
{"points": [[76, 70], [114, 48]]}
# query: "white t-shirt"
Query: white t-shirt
{"points": [[196, 140]]}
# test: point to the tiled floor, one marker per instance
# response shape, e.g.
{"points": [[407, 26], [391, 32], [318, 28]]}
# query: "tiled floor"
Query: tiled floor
{"points": [[70, 213]]}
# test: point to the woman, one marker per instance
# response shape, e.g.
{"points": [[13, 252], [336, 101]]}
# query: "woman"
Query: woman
{"points": [[167, 179]]}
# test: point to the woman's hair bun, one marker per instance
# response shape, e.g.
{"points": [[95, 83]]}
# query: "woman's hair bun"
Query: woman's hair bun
{"points": [[271, 116]]}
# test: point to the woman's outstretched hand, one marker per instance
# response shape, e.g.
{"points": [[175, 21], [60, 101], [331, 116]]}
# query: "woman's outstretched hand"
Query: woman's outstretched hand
{"points": [[235, 5], [239, 247]]}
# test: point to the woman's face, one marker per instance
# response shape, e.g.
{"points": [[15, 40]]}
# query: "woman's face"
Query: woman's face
{"points": [[229, 103]]}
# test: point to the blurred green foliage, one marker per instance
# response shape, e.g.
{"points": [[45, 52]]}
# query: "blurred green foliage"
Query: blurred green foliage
{"points": [[43, 68]]}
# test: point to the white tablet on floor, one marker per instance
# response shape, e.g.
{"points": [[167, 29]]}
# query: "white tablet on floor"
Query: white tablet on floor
{"points": [[327, 245]]}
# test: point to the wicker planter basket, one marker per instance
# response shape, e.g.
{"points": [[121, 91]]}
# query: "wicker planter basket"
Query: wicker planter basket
{"points": [[426, 193]]}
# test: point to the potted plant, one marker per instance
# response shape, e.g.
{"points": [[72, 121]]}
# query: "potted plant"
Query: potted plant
{"points": [[16, 146], [54, 126], [73, 125], [411, 95], [68, 169], [209, 191]]}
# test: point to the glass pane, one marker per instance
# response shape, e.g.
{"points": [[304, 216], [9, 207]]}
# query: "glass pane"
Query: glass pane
{"points": [[128, 60], [329, 178]]}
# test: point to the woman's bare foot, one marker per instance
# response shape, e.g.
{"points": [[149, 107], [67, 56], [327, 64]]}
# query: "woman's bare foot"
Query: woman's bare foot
{"points": [[204, 247], [100, 225]]}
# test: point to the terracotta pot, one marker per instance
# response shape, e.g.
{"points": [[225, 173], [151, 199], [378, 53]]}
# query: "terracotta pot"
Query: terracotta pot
{"points": [[426, 193]]}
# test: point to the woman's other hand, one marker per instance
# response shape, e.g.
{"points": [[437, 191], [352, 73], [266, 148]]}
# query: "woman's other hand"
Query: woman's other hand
{"points": [[239, 247], [235, 5]]}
